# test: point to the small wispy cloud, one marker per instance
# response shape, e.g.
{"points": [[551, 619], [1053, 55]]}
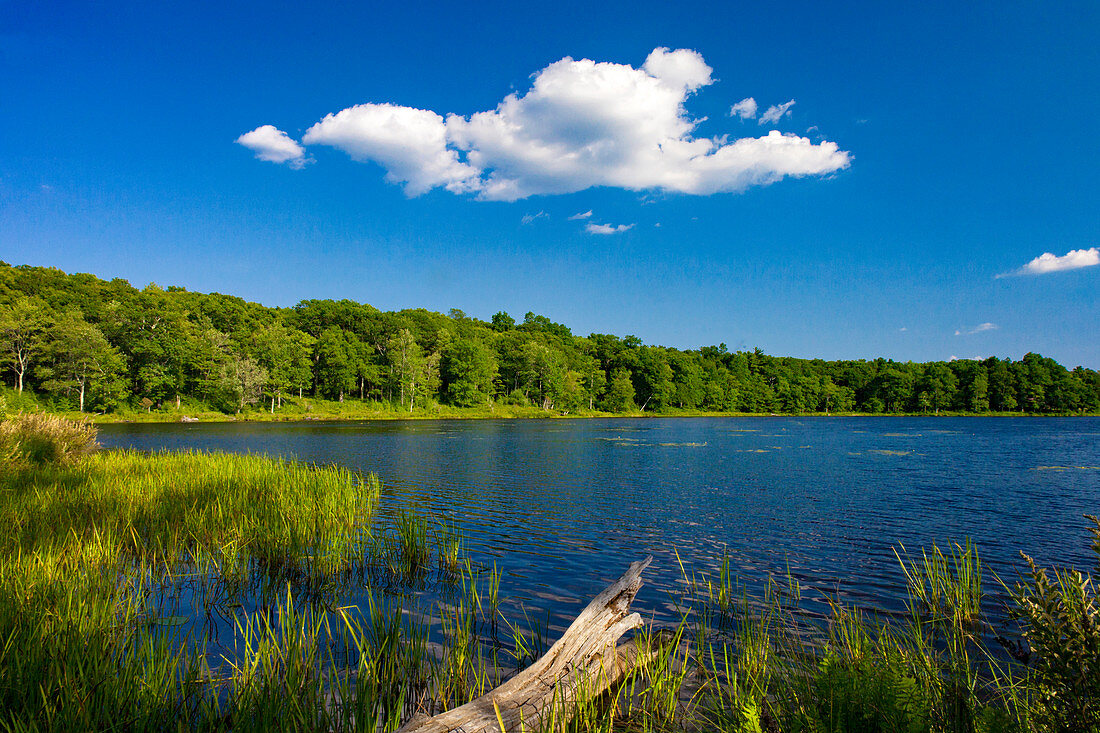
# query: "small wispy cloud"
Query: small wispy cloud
{"points": [[273, 145], [903, 329], [745, 109], [593, 228], [776, 112], [582, 215], [1050, 262], [531, 218], [967, 358], [980, 328]]}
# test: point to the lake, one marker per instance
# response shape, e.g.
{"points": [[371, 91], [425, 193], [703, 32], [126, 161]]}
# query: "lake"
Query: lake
{"points": [[563, 506]]}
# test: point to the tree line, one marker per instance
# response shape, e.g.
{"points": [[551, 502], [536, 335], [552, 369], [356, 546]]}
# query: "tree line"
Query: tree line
{"points": [[94, 345]]}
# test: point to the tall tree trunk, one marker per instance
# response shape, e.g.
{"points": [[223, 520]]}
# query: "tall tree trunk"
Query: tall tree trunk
{"points": [[82, 395], [272, 404]]}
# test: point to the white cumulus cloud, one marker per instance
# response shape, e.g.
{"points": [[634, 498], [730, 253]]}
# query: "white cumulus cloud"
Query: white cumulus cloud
{"points": [[593, 228], [272, 144], [680, 69], [581, 215], [745, 109], [411, 144], [581, 124], [1050, 262], [775, 113]]}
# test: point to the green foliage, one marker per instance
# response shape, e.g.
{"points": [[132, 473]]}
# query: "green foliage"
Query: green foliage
{"points": [[22, 326], [542, 374], [13, 402], [403, 355], [413, 549], [285, 354], [79, 362], [335, 357], [240, 382], [73, 335], [469, 369], [872, 694], [1061, 625], [503, 322], [620, 392]]}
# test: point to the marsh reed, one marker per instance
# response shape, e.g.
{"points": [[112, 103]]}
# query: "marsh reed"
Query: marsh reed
{"points": [[198, 591]]}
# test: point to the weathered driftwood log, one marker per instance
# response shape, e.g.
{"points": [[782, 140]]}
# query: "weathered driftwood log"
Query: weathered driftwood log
{"points": [[585, 657]]}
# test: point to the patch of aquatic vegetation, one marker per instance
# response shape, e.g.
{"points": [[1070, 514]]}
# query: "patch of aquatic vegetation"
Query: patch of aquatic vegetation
{"points": [[902, 435], [886, 452], [624, 441], [683, 445], [1066, 468]]}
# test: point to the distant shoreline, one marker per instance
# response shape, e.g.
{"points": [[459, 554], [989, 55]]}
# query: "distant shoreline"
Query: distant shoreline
{"points": [[183, 418]]}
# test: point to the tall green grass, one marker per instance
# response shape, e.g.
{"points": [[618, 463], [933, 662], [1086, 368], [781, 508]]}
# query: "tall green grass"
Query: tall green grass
{"points": [[107, 559], [210, 592], [742, 665]]}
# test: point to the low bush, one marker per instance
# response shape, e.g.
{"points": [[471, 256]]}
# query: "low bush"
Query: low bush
{"points": [[1060, 613]]}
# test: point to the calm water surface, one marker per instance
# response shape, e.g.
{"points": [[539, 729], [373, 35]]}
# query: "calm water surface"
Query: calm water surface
{"points": [[562, 506]]}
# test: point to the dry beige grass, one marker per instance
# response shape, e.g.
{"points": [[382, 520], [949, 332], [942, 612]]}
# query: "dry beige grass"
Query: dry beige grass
{"points": [[37, 439]]}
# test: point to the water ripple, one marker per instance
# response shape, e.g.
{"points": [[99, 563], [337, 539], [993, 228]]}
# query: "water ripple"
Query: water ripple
{"points": [[563, 506]]}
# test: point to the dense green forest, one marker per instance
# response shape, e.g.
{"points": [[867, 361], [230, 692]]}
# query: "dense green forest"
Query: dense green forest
{"points": [[87, 344]]}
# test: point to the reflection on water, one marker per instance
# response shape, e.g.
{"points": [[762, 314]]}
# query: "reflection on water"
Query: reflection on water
{"points": [[563, 506]]}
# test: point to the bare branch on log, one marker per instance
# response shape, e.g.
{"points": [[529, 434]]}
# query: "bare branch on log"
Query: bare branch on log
{"points": [[586, 655]]}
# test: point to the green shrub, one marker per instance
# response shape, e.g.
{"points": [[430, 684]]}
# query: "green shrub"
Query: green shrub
{"points": [[516, 397], [1061, 621], [12, 402], [873, 693]]}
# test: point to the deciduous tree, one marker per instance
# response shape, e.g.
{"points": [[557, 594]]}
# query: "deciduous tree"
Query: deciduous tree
{"points": [[22, 325]]}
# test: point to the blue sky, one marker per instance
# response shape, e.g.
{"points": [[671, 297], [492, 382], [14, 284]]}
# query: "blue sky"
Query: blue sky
{"points": [[931, 148]]}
